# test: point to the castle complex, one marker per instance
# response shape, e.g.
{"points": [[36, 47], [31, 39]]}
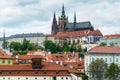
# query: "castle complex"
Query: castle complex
{"points": [[64, 26]]}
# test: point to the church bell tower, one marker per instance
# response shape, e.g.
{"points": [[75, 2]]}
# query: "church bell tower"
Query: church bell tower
{"points": [[62, 21]]}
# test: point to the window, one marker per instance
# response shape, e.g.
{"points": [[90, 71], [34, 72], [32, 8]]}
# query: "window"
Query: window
{"points": [[69, 42], [110, 59], [105, 59], [116, 59], [44, 78], [66, 77], [73, 41], [92, 59], [78, 41], [8, 61], [3, 61], [54, 78], [44, 72], [62, 78]]}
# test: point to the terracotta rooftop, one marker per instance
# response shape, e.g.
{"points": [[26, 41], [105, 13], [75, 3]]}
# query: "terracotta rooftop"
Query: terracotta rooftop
{"points": [[27, 57], [48, 69], [105, 49], [3, 54], [80, 33], [112, 36]]}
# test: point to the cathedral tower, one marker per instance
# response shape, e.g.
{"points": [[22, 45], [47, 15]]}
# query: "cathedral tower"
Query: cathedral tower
{"points": [[4, 42], [74, 20], [62, 21], [54, 25]]}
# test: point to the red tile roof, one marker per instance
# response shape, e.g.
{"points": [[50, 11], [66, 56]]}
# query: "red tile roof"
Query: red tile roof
{"points": [[48, 69], [105, 49], [27, 57], [79, 65], [112, 36], [3, 54], [80, 33]]}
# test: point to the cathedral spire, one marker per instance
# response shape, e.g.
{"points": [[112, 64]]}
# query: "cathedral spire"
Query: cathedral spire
{"points": [[54, 17], [4, 41], [63, 13], [54, 25], [74, 17]]}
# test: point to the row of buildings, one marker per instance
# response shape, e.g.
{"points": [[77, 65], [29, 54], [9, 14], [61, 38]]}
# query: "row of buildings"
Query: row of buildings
{"points": [[42, 65]]}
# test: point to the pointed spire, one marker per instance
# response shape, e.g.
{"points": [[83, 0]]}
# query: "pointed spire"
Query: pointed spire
{"points": [[63, 12], [4, 41], [54, 25], [74, 17], [54, 17]]}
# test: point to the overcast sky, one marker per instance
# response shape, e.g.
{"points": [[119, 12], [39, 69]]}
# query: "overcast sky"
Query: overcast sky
{"points": [[28, 16]]}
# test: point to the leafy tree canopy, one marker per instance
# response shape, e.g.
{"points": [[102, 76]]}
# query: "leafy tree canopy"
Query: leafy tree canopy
{"points": [[113, 72], [97, 68]]}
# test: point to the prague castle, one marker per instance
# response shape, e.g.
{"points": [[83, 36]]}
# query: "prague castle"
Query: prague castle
{"points": [[62, 25]]}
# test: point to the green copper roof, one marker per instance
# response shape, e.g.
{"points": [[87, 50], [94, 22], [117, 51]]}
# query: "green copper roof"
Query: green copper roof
{"points": [[63, 13]]}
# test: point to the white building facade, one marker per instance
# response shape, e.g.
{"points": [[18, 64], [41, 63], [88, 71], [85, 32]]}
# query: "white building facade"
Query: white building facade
{"points": [[109, 54]]}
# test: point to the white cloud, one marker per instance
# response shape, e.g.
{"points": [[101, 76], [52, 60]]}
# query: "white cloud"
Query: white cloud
{"points": [[31, 16]]}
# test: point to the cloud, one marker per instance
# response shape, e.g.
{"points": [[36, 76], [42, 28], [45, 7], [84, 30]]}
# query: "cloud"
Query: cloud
{"points": [[36, 15]]}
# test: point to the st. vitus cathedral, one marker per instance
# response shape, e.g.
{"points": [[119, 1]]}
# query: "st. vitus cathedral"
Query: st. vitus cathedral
{"points": [[62, 25]]}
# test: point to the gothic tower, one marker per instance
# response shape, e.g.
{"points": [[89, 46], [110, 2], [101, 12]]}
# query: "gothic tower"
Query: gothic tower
{"points": [[54, 25], [4, 42], [62, 21], [74, 20]]}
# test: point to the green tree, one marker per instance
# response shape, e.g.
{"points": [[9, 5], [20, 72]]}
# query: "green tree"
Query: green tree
{"points": [[113, 72], [25, 44], [79, 48], [103, 44], [72, 48], [22, 48], [85, 49], [65, 47], [15, 46], [112, 44], [85, 77], [58, 48], [39, 47], [97, 69], [49, 45]]}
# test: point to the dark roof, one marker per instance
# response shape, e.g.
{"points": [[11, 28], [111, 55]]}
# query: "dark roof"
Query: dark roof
{"points": [[27, 35], [86, 24], [69, 25], [24, 35]]}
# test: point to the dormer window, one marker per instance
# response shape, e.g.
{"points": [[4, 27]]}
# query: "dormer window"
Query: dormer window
{"points": [[10, 72], [3, 61], [36, 71], [45, 72], [8, 61], [79, 64], [57, 72]]}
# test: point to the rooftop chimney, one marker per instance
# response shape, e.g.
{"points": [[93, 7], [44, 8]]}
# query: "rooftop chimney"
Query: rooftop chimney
{"points": [[36, 63]]}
